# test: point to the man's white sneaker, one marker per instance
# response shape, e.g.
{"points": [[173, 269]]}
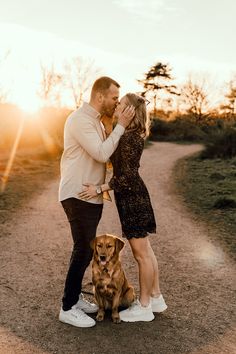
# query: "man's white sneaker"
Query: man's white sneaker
{"points": [[136, 312], [158, 304], [86, 306], [76, 317]]}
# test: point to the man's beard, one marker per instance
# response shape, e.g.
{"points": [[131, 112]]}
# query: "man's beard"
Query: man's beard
{"points": [[107, 112]]}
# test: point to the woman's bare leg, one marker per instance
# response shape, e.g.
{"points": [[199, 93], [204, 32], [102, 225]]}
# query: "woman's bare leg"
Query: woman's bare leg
{"points": [[142, 254], [156, 292]]}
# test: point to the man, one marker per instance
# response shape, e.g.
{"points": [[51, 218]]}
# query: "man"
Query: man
{"points": [[86, 150]]}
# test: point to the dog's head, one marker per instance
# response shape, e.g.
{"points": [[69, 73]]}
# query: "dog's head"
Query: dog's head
{"points": [[106, 248]]}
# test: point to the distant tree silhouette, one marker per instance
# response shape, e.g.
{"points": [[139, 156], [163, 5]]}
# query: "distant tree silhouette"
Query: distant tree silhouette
{"points": [[157, 79], [195, 98], [229, 107], [49, 85], [78, 77]]}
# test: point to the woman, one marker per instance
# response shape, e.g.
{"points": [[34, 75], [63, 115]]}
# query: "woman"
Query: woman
{"points": [[135, 210]]}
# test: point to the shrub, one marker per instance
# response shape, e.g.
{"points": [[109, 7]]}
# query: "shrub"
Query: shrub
{"points": [[225, 203], [176, 130], [222, 145]]}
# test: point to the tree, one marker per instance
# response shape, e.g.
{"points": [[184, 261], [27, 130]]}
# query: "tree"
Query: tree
{"points": [[78, 78], [229, 107], [195, 98], [155, 80], [49, 85]]}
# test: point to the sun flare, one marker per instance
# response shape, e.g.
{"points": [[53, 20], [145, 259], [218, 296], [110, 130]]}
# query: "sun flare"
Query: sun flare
{"points": [[28, 105]]}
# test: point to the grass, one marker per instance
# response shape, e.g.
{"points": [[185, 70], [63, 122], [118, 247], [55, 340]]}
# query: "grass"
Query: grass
{"points": [[209, 188], [31, 171]]}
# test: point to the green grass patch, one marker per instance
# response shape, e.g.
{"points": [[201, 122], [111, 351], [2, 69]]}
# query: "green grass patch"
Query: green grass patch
{"points": [[209, 188]]}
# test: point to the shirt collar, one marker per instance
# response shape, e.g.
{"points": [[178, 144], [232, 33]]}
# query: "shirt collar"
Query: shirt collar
{"points": [[91, 111]]}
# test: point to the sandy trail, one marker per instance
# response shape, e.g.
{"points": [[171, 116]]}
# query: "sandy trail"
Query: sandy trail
{"points": [[197, 277]]}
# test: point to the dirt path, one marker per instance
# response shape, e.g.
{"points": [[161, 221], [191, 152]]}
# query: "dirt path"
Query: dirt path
{"points": [[197, 277]]}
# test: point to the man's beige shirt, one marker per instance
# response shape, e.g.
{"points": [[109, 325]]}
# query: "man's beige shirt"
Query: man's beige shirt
{"points": [[86, 150]]}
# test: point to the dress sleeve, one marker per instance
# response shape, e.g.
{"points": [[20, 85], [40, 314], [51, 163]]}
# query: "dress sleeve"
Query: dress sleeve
{"points": [[131, 146]]}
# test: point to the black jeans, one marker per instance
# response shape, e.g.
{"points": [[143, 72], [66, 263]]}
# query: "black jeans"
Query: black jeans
{"points": [[83, 218]]}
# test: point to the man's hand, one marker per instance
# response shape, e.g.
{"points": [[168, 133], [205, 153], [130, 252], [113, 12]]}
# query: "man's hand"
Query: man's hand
{"points": [[126, 116]]}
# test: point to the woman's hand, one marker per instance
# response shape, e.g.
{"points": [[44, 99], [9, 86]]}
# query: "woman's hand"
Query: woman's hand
{"points": [[108, 124], [89, 191], [124, 115]]}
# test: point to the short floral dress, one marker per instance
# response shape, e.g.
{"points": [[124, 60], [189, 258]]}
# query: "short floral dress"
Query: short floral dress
{"points": [[131, 195]]}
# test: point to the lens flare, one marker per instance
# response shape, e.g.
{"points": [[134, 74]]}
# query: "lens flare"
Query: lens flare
{"points": [[7, 171]]}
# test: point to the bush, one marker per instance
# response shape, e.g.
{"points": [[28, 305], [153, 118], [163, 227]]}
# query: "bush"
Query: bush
{"points": [[225, 203], [176, 130], [222, 145]]}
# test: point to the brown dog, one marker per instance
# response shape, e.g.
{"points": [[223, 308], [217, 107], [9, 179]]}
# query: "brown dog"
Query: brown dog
{"points": [[111, 286]]}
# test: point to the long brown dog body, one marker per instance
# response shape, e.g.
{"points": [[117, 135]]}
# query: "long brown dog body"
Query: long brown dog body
{"points": [[110, 284]]}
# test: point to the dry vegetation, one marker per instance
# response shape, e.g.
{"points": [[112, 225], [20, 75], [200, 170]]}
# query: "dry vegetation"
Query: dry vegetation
{"points": [[36, 156], [31, 170]]}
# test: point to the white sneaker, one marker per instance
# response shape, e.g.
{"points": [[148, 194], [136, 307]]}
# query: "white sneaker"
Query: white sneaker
{"points": [[158, 304], [137, 312], [76, 317], [86, 306]]}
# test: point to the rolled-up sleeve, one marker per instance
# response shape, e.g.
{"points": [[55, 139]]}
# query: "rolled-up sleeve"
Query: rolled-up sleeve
{"points": [[86, 134]]}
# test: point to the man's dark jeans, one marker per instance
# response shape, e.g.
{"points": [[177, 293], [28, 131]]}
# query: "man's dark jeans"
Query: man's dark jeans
{"points": [[83, 218]]}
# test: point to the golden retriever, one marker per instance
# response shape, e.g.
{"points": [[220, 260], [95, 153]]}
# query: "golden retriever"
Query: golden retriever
{"points": [[111, 287]]}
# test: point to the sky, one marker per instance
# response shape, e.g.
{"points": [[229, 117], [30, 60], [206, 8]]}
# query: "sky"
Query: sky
{"points": [[123, 38]]}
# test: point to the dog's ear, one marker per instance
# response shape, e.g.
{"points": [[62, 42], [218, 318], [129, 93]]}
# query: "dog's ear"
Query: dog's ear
{"points": [[119, 244], [92, 243]]}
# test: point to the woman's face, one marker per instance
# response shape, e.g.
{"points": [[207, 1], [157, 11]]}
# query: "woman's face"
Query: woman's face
{"points": [[121, 105]]}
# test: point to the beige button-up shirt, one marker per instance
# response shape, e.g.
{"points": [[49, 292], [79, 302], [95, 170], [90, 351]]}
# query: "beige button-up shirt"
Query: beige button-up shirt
{"points": [[86, 151]]}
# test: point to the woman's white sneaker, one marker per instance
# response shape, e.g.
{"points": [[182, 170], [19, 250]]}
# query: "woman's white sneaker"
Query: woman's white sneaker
{"points": [[136, 312], [158, 304], [76, 317]]}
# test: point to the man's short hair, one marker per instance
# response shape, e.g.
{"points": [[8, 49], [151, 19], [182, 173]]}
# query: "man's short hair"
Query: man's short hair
{"points": [[102, 85]]}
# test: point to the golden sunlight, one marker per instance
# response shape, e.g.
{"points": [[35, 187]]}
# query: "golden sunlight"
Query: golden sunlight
{"points": [[7, 171], [28, 105], [211, 255]]}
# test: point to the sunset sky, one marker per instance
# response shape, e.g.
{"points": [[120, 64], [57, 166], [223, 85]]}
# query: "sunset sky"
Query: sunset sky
{"points": [[123, 37]]}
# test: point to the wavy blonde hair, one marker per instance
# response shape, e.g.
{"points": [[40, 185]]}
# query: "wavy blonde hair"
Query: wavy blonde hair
{"points": [[140, 122]]}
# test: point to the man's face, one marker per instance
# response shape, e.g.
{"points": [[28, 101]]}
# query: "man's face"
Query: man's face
{"points": [[110, 101]]}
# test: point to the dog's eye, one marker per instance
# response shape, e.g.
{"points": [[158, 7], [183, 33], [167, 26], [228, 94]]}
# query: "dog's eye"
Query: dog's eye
{"points": [[99, 246], [109, 246]]}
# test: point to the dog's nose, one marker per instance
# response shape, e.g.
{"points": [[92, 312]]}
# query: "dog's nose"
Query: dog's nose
{"points": [[102, 258]]}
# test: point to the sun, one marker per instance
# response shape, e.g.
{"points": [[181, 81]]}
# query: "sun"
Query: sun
{"points": [[29, 104]]}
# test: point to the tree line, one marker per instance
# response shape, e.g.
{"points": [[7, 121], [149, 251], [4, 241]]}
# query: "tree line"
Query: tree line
{"points": [[76, 78], [168, 100], [190, 98]]}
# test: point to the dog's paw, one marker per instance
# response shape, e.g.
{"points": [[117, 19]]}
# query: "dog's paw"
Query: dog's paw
{"points": [[100, 317], [116, 319]]}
